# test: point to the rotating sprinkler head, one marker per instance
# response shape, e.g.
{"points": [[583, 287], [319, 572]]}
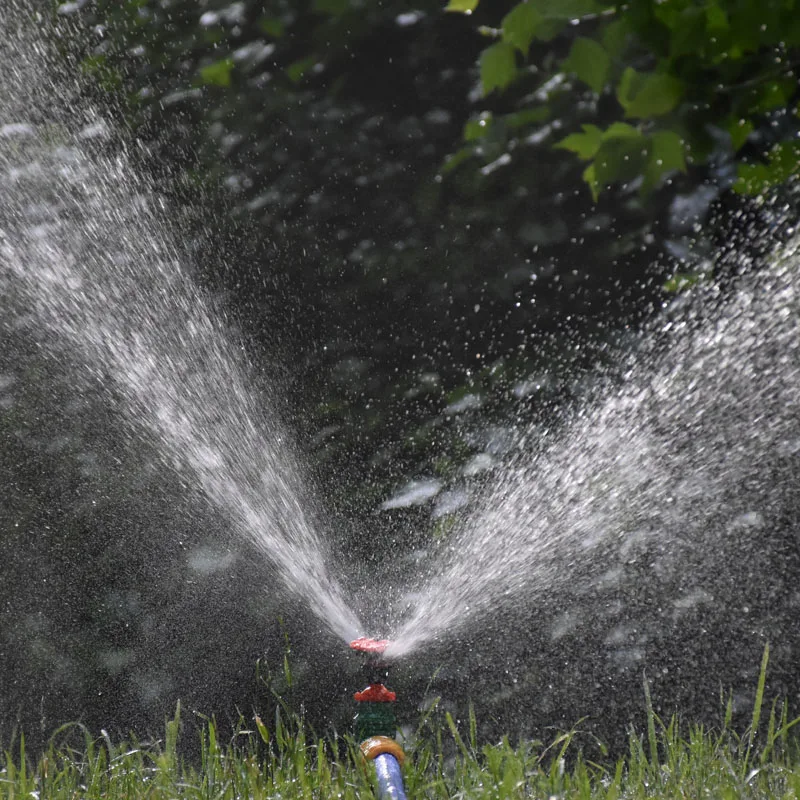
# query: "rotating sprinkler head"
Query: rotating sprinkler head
{"points": [[375, 722], [375, 715], [375, 667]]}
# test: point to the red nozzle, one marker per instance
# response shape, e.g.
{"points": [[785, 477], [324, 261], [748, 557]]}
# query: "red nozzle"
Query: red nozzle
{"points": [[373, 647], [375, 693]]}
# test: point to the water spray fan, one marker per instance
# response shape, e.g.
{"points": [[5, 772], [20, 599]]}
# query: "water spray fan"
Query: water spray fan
{"points": [[375, 722]]}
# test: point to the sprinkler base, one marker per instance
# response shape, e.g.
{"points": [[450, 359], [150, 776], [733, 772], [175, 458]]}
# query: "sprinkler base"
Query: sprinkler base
{"points": [[375, 722], [379, 745]]}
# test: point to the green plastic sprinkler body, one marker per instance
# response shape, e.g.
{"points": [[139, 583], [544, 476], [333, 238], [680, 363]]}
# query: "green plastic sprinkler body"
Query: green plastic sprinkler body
{"points": [[375, 721]]}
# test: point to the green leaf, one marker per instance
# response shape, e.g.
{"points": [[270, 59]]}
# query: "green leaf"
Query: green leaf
{"points": [[526, 116], [629, 84], [614, 37], [565, 9], [668, 149], [620, 153], [688, 32], [550, 28], [621, 130], [520, 26], [746, 26], [681, 281], [620, 159], [272, 26], [590, 177], [739, 130], [647, 95], [774, 94], [542, 19], [498, 66], [589, 61], [791, 31], [477, 128], [462, 6], [666, 153], [784, 163], [585, 145], [455, 160], [218, 73], [716, 19], [297, 69], [108, 77], [752, 179]]}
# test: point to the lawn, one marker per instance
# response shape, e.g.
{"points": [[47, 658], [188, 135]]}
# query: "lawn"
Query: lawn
{"points": [[284, 760]]}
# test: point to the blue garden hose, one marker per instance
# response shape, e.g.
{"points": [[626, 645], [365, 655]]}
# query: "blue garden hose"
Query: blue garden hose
{"points": [[390, 779]]}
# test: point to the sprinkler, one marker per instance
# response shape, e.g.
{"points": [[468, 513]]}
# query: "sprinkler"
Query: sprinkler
{"points": [[375, 723]]}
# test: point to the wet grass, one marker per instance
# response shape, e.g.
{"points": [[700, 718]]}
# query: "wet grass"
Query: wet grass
{"points": [[282, 760]]}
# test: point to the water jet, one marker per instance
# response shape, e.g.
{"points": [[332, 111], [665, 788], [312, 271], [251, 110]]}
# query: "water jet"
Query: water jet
{"points": [[90, 268]]}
